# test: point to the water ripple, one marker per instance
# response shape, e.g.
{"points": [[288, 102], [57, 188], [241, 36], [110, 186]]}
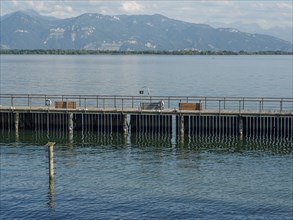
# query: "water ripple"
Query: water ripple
{"points": [[110, 176]]}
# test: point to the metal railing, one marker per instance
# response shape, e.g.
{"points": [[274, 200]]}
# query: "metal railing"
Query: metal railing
{"points": [[259, 104]]}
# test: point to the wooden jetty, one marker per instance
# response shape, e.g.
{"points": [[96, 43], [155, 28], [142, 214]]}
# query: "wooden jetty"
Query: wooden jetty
{"points": [[249, 116]]}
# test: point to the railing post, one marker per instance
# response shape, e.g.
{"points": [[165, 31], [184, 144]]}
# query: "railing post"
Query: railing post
{"points": [[97, 101], [11, 100], [219, 105], [168, 101], [28, 100], [259, 106], [281, 105], [122, 104], [115, 106], [224, 103], [239, 105], [132, 102]]}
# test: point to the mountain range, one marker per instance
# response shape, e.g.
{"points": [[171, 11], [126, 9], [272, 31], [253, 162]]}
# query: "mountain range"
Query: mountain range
{"points": [[91, 31]]}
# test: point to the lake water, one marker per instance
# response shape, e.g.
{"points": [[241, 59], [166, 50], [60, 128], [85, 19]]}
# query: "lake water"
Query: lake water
{"points": [[269, 76], [146, 176]]}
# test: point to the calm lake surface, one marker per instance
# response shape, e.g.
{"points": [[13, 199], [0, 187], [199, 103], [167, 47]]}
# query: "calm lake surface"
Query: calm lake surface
{"points": [[146, 176], [269, 76]]}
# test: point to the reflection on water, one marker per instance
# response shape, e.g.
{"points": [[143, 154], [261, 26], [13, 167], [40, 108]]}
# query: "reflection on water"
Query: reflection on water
{"points": [[201, 143], [236, 144], [117, 176], [51, 193]]}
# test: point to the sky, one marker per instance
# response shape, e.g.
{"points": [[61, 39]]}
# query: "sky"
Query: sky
{"points": [[265, 13]]}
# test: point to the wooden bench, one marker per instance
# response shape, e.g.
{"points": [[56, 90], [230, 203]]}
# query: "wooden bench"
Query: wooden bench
{"points": [[190, 106], [61, 104], [152, 105]]}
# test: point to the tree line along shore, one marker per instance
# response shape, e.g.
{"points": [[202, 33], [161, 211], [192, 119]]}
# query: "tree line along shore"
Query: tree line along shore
{"points": [[148, 52]]}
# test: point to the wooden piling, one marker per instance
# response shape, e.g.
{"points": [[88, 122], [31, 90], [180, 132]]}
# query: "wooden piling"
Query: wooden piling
{"points": [[51, 174], [182, 125], [125, 124], [51, 159], [70, 121], [51, 193], [16, 121], [16, 125], [240, 126], [70, 126]]}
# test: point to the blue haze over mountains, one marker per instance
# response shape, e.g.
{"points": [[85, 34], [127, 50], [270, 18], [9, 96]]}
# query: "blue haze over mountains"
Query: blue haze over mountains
{"points": [[29, 30]]}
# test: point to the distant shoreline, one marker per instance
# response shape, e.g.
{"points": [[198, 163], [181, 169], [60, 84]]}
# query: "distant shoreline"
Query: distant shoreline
{"points": [[103, 52]]}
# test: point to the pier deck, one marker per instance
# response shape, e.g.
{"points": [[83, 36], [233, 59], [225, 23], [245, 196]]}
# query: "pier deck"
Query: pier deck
{"points": [[221, 115], [40, 109]]}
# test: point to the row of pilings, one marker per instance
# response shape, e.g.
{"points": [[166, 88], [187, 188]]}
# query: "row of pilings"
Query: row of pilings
{"points": [[191, 124]]}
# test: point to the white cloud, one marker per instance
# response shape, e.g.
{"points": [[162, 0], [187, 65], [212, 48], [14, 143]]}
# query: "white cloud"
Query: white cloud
{"points": [[266, 13], [52, 8], [132, 6]]}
